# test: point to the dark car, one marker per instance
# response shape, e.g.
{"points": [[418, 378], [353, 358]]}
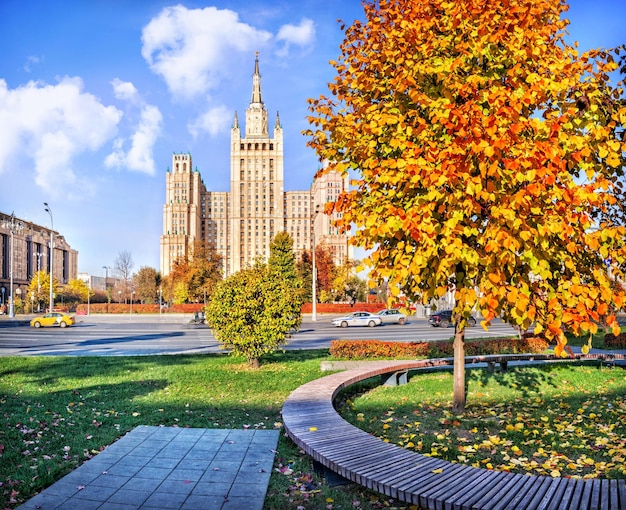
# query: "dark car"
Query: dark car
{"points": [[443, 319]]}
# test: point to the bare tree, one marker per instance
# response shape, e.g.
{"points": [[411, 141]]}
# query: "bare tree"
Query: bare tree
{"points": [[123, 267]]}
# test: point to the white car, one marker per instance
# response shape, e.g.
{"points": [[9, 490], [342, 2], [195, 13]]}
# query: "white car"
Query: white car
{"points": [[392, 316], [358, 319]]}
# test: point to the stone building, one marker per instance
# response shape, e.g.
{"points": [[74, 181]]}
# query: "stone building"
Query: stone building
{"points": [[31, 253], [240, 224]]}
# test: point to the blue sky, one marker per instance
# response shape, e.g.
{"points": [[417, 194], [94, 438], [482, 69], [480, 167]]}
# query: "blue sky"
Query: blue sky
{"points": [[96, 95]]}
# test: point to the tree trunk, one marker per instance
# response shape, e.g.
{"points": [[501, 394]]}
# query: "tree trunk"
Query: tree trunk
{"points": [[458, 404], [254, 363]]}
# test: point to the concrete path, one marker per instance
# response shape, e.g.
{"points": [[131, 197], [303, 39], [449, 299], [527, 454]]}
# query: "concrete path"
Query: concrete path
{"points": [[158, 468]]}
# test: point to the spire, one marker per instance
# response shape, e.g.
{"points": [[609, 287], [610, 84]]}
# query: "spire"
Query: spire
{"points": [[256, 81], [236, 122], [278, 120]]}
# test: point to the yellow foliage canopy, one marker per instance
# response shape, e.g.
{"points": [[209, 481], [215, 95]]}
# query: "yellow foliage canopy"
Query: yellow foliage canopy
{"points": [[485, 149]]}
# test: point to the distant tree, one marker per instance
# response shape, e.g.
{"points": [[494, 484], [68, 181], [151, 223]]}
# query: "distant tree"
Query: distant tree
{"points": [[324, 268], [123, 267], [347, 285], [204, 271], [485, 152], [146, 284], [282, 258], [76, 291], [253, 312], [39, 288], [304, 268], [193, 279]]}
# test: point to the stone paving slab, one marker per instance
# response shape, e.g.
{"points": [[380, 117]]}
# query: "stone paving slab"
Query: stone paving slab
{"points": [[159, 468]]}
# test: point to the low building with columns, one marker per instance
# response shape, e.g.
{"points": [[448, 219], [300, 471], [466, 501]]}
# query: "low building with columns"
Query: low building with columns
{"points": [[25, 249]]}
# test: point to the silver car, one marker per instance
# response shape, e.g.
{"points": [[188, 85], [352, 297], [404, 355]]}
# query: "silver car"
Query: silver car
{"points": [[392, 316], [357, 319]]}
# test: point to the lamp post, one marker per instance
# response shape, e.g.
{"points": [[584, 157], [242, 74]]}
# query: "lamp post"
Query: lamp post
{"points": [[38, 255], [314, 271], [314, 284], [12, 226], [132, 296], [49, 211]]}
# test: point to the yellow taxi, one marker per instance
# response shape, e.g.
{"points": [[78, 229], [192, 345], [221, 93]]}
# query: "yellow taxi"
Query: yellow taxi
{"points": [[53, 319]]}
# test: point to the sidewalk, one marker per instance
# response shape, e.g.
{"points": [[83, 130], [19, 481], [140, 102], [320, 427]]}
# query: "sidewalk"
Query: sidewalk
{"points": [[159, 468]]}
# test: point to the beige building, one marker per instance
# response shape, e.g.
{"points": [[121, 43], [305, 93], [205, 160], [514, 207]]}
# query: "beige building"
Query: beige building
{"points": [[241, 224], [31, 253]]}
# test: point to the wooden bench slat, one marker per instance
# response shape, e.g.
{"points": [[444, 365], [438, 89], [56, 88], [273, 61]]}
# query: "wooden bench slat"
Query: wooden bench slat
{"points": [[312, 422]]}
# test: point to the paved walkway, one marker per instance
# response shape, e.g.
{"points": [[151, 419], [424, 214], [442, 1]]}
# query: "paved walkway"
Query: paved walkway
{"points": [[157, 468]]}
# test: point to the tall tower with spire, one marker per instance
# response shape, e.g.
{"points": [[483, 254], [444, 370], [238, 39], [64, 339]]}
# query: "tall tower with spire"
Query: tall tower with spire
{"points": [[256, 182], [240, 224]]}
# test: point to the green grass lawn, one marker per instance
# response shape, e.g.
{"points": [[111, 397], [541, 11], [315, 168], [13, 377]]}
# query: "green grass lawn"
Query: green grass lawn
{"points": [[57, 412], [556, 420]]}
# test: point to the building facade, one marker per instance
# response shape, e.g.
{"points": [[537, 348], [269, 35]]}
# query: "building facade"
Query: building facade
{"points": [[240, 224], [25, 250]]}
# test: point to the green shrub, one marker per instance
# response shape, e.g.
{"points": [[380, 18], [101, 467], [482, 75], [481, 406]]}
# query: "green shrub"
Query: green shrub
{"points": [[364, 349]]}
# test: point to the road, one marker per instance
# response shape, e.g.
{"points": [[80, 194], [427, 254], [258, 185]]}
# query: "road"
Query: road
{"points": [[117, 335]]}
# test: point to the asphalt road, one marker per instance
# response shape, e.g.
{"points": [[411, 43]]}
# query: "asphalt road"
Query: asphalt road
{"points": [[117, 335]]}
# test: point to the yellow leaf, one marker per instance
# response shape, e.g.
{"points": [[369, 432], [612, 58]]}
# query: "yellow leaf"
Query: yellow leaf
{"points": [[437, 471], [312, 429]]}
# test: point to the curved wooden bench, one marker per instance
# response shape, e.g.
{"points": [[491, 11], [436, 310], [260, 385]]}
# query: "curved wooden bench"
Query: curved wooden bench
{"points": [[311, 421]]}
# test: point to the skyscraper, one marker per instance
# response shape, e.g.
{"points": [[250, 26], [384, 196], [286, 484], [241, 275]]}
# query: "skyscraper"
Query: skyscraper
{"points": [[241, 224]]}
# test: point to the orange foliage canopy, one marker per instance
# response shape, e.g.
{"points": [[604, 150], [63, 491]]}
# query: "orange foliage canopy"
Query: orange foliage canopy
{"points": [[488, 155]]}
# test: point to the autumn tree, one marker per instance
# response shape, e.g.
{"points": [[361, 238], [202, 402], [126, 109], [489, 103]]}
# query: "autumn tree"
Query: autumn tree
{"points": [[253, 312], [193, 279], [205, 271], [75, 291], [347, 286], [487, 153], [146, 284], [39, 288]]}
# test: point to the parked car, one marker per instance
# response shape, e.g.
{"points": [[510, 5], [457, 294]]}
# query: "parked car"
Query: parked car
{"points": [[357, 319], [392, 316], [443, 319], [53, 319]]}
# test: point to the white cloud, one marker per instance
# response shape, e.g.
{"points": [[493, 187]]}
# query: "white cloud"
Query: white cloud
{"points": [[213, 121], [124, 90], [53, 125], [302, 35], [31, 61], [192, 48], [139, 157]]}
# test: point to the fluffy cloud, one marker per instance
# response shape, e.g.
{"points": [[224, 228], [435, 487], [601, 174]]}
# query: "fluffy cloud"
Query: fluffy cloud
{"points": [[139, 157], [53, 125], [213, 121], [302, 35], [124, 90], [191, 48]]}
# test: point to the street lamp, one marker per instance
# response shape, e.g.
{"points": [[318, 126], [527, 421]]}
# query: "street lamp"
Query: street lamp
{"points": [[314, 284], [314, 271], [38, 255], [49, 211], [12, 226], [106, 277]]}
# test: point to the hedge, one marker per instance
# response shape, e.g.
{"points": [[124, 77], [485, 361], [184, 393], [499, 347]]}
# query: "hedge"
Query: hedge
{"points": [[368, 349]]}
